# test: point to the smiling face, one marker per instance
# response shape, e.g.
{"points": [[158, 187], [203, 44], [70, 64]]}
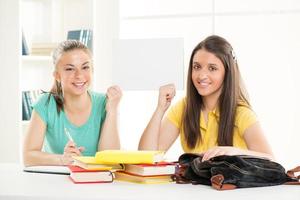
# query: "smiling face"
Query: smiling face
{"points": [[208, 74], [74, 72]]}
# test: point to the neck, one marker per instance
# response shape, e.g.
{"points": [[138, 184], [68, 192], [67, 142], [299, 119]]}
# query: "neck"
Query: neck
{"points": [[210, 102], [77, 103]]}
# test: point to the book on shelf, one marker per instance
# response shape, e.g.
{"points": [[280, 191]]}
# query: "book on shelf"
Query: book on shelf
{"points": [[124, 176], [83, 35], [80, 175], [129, 157], [89, 163], [161, 168], [25, 50], [43, 49], [28, 99]]}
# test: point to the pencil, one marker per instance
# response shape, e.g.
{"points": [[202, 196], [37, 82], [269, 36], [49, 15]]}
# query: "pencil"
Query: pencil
{"points": [[68, 135]]}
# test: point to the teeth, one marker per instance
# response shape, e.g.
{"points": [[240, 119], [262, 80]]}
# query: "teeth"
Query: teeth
{"points": [[79, 84], [204, 83]]}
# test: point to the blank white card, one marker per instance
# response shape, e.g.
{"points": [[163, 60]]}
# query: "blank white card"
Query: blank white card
{"points": [[146, 64]]}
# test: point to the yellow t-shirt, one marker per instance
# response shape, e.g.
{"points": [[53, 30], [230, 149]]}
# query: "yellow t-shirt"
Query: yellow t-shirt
{"points": [[245, 117]]}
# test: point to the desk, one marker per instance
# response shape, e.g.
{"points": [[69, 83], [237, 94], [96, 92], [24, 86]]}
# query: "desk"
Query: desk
{"points": [[16, 184]]}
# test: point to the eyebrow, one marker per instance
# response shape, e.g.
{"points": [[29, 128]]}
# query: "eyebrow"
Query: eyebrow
{"points": [[71, 65], [210, 64]]}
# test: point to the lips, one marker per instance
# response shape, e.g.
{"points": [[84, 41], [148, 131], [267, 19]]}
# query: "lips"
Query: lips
{"points": [[79, 84], [203, 84]]}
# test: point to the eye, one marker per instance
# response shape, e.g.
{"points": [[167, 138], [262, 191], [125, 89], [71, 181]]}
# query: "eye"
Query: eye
{"points": [[69, 69], [196, 67], [86, 67], [212, 68]]}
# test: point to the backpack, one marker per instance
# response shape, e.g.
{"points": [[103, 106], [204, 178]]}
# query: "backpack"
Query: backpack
{"points": [[230, 172]]}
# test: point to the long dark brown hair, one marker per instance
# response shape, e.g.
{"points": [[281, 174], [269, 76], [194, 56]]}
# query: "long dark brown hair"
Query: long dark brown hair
{"points": [[233, 92], [65, 46]]}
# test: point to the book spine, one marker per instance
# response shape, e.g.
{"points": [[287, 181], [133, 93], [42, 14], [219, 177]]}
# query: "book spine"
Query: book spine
{"points": [[29, 102], [25, 50], [25, 109]]}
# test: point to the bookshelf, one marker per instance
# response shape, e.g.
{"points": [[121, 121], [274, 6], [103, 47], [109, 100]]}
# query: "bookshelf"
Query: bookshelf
{"points": [[31, 59]]}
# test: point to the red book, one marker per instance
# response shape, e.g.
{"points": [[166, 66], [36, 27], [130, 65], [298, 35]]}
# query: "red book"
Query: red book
{"points": [[80, 175], [161, 168]]}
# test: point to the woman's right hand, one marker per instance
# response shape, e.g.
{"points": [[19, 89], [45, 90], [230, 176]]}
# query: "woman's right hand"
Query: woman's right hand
{"points": [[70, 150], [166, 94]]}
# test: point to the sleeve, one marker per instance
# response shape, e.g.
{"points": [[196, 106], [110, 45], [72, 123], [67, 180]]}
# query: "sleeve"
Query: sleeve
{"points": [[175, 113], [100, 104], [103, 107], [41, 107], [245, 118]]}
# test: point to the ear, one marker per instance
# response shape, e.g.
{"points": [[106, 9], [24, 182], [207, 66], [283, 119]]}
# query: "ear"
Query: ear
{"points": [[56, 76]]}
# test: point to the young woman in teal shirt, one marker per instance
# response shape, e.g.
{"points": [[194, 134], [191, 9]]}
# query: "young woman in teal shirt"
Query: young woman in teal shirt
{"points": [[70, 108]]}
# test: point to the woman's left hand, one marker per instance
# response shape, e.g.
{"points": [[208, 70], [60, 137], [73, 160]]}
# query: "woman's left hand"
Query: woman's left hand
{"points": [[113, 95], [221, 150]]}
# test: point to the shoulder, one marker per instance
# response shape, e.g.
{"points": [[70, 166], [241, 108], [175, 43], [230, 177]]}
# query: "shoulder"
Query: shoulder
{"points": [[245, 117], [97, 96], [44, 100], [244, 111], [45, 106], [175, 112], [98, 101], [179, 105]]}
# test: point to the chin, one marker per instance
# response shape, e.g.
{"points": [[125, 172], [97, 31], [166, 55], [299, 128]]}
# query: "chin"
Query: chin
{"points": [[203, 93], [78, 93]]}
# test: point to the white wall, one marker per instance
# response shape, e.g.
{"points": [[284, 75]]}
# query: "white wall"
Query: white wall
{"points": [[106, 30], [265, 36], [9, 81]]}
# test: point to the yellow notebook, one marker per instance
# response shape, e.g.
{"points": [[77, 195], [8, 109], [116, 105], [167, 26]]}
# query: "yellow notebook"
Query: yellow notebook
{"points": [[129, 157], [89, 163]]}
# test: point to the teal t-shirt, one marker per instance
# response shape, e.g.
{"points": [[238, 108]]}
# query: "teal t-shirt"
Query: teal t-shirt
{"points": [[86, 135]]}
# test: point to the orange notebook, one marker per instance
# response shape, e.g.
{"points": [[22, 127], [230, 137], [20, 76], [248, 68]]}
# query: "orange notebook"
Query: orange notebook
{"points": [[161, 168], [80, 175], [125, 176]]}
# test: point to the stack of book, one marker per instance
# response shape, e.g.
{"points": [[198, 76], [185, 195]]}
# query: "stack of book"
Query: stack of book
{"points": [[28, 99], [140, 166], [132, 166], [147, 173], [85, 169]]}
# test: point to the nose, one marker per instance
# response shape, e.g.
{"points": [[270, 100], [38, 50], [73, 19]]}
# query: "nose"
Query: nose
{"points": [[203, 75], [78, 72]]}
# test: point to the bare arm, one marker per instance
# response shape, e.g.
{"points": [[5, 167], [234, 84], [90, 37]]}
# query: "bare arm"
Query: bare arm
{"points": [[256, 143], [109, 137], [33, 143], [160, 133]]}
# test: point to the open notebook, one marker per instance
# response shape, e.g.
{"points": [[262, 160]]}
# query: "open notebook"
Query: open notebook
{"points": [[64, 170]]}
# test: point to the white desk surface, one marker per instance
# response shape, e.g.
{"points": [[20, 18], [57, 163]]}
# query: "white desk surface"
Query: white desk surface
{"points": [[16, 184]]}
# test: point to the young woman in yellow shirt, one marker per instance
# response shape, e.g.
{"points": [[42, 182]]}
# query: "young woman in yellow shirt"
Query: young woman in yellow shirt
{"points": [[215, 118]]}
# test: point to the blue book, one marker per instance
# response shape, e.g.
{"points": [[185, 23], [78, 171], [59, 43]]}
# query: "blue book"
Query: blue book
{"points": [[83, 35], [25, 50]]}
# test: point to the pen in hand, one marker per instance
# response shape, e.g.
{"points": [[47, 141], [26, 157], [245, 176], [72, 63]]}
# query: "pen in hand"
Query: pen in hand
{"points": [[80, 149], [68, 135]]}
